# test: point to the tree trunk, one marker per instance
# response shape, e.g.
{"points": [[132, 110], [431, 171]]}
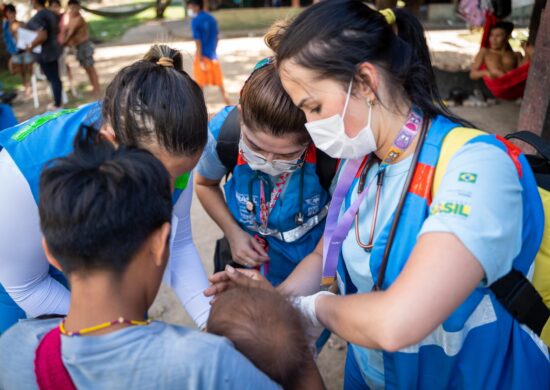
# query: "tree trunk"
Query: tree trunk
{"points": [[161, 7]]}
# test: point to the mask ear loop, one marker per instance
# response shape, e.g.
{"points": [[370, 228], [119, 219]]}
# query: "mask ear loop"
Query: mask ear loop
{"points": [[347, 99], [370, 104]]}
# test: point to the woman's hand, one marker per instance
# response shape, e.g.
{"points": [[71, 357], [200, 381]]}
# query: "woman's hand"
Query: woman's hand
{"points": [[232, 277], [246, 250]]}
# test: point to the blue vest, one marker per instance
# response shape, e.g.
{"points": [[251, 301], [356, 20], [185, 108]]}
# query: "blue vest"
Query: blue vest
{"points": [[35, 142], [480, 345], [244, 183]]}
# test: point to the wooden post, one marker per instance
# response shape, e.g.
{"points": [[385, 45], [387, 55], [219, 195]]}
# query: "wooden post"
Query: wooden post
{"points": [[535, 108]]}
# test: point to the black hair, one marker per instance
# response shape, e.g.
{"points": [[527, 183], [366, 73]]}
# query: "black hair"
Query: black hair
{"points": [[266, 328], [41, 2], [9, 8], [334, 37], [200, 3], [508, 27], [73, 2], [99, 204], [155, 101], [266, 106], [52, 2]]}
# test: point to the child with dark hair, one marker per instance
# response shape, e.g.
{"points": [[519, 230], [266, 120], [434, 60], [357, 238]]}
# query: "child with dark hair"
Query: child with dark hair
{"points": [[76, 36], [20, 61], [105, 214], [266, 329], [151, 104]]}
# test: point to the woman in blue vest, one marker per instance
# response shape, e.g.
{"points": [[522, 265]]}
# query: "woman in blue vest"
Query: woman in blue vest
{"points": [[416, 307], [152, 104], [274, 207]]}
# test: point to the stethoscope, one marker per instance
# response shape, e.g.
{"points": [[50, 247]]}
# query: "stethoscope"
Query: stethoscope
{"points": [[360, 187], [258, 176]]}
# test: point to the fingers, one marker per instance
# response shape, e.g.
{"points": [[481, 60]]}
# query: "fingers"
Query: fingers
{"points": [[259, 249], [241, 277]]}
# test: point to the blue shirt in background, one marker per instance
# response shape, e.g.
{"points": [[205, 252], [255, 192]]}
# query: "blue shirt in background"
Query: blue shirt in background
{"points": [[205, 29], [157, 356]]}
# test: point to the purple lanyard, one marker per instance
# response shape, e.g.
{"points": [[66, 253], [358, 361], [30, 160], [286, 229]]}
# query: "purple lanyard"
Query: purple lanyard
{"points": [[337, 229]]}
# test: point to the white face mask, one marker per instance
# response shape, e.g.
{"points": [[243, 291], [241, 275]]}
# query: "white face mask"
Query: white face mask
{"points": [[329, 135], [257, 162], [191, 13]]}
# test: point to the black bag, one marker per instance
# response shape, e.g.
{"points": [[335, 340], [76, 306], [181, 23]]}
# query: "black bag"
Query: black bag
{"points": [[223, 256]]}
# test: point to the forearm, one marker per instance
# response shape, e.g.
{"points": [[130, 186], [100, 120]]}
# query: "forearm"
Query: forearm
{"points": [[40, 39], [198, 48], [306, 277], [213, 201], [477, 74]]}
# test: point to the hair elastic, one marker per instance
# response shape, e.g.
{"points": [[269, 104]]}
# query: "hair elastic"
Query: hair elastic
{"points": [[389, 15], [166, 61]]}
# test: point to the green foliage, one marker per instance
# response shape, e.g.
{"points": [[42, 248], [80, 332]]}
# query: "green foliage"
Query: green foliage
{"points": [[10, 81]]}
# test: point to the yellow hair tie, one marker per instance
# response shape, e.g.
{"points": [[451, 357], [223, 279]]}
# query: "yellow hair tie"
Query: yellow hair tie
{"points": [[389, 15], [166, 62]]}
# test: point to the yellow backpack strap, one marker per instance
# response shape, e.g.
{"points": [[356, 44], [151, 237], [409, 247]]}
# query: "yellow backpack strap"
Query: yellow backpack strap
{"points": [[456, 138]]}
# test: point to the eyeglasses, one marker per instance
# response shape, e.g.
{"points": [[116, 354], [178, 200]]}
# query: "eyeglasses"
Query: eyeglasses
{"points": [[253, 157]]}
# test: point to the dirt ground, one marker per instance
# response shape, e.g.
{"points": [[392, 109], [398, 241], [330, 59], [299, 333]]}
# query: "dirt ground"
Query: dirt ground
{"points": [[238, 57]]}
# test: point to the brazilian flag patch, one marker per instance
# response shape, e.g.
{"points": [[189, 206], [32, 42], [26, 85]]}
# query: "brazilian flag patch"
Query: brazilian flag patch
{"points": [[467, 177]]}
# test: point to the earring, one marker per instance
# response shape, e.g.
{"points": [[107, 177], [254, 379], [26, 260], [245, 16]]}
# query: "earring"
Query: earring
{"points": [[370, 103]]}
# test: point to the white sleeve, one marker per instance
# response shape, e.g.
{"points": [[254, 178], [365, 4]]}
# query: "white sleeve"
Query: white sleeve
{"points": [[187, 275], [23, 265]]}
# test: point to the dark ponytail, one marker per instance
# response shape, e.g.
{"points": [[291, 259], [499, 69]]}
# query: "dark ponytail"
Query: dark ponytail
{"points": [[155, 101], [333, 37]]}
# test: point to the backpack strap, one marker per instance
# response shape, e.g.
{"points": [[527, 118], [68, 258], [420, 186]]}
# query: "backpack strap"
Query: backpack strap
{"points": [[514, 291], [49, 369], [536, 141], [227, 145]]}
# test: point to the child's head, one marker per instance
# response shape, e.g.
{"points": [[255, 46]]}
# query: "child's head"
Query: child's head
{"points": [[106, 210], [74, 7], [265, 328], [55, 6]]}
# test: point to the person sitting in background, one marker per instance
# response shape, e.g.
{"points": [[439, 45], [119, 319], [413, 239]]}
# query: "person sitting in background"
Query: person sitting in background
{"points": [[20, 62], [105, 215], [77, 37], [499, 58], [266, 329]]}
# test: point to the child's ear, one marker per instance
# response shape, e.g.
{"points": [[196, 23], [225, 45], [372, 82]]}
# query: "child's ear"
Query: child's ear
{"points": [[49, 255], [160, 244], [108, 134]]}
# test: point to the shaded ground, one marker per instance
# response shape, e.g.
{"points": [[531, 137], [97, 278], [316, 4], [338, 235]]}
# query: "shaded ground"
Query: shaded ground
{"points": [[238, 57]]}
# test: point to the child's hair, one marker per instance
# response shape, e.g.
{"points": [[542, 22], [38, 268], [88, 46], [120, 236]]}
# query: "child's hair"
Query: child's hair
{"points": [[155, 101], [56, 2], [99, 204], [508, 27], [9, 8], [265, 328], [74, 2]]}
